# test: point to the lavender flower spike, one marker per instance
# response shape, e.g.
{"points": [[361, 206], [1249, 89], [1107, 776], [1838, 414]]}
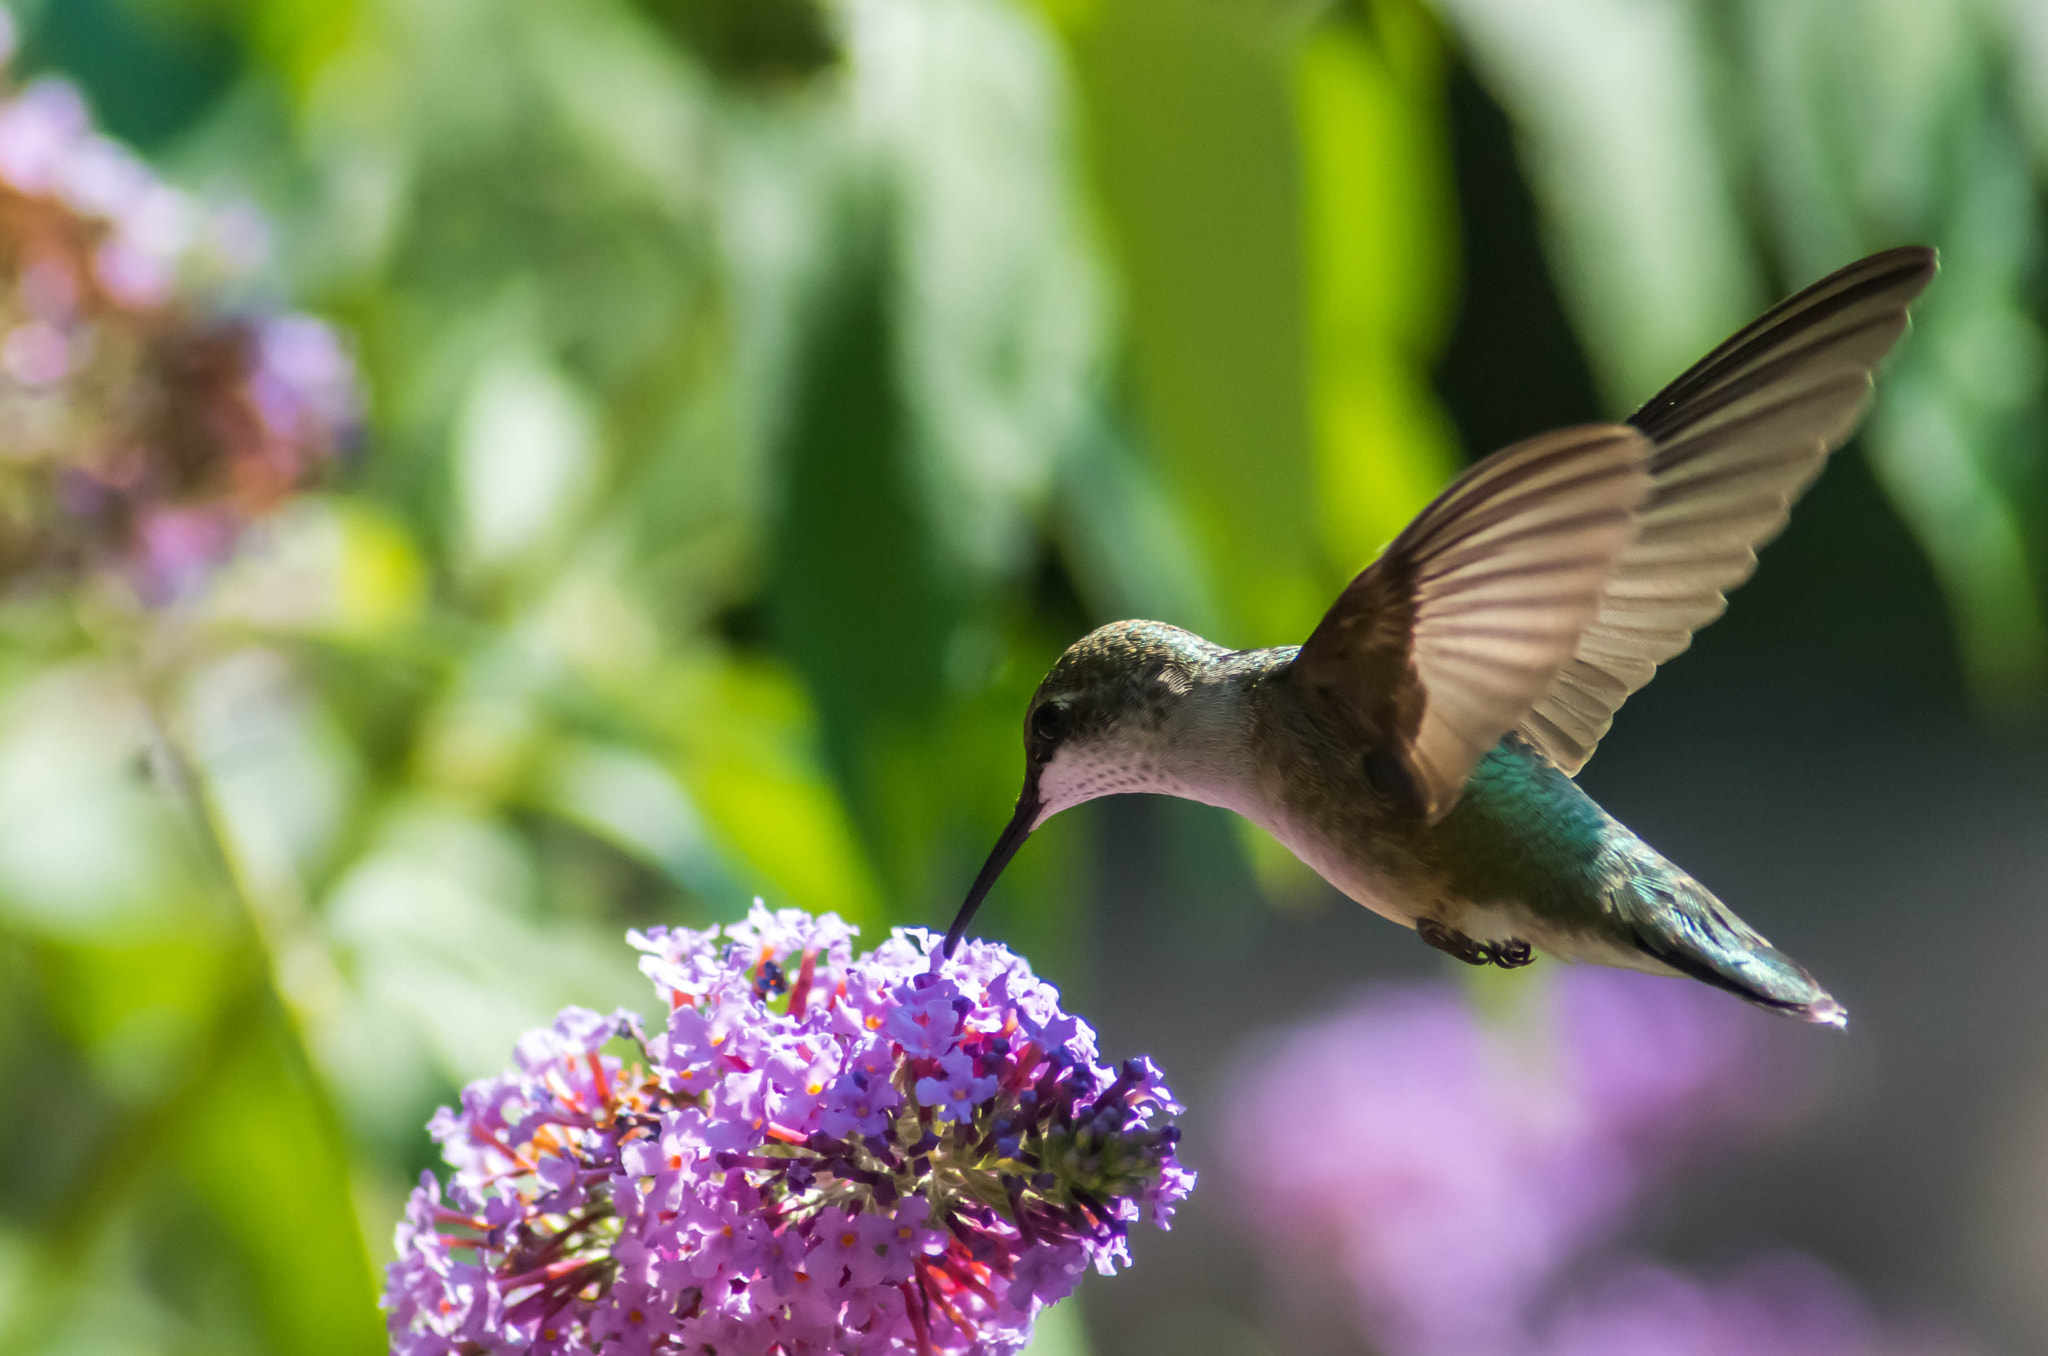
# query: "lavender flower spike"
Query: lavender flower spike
{"points": [[817, 1153]]}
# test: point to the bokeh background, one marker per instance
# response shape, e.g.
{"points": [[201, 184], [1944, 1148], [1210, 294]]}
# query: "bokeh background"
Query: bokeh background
{"points": [[758, 394]]}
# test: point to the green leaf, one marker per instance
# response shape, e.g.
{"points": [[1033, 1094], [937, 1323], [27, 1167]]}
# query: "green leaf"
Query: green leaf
{"points": [[1195, 155], [1375, 161], [747, 739], [265, 1150]]}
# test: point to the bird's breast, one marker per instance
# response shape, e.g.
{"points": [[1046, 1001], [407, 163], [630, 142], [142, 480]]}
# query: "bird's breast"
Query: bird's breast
{"points": [[1363, 854]]}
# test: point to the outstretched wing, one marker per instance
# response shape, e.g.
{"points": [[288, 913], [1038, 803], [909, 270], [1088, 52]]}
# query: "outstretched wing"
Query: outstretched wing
{"points": [[1442, 645], [1738, 438]]}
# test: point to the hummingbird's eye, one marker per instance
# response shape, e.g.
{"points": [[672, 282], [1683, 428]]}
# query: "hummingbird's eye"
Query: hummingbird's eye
{"points": [[1047, 723]]}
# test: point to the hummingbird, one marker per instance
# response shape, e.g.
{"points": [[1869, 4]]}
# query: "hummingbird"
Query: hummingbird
{"points": [[1418, 750]]}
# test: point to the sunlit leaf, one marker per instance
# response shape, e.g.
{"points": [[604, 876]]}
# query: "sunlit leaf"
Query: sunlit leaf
{"points": [[524, 460], [998, 338], [629, 798], [448, 956], [747, 741], [1375, 168], [86, 834], [136, 1006], [264, 1148], [328, 566], [1194, 151]]}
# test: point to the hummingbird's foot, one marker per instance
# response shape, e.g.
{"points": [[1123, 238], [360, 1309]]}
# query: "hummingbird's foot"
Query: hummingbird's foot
{"points": [[1512, 954], [1452, 942]]}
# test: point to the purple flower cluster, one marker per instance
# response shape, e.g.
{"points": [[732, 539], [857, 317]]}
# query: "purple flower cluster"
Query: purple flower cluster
{"points": [[817, 1153], [143, 426], [1461, 1171], [1456, 1167]]}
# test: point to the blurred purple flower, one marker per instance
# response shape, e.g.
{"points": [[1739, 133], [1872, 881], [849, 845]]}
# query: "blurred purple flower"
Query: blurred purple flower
{"points": [[40, 128], [772, 1175], [142, 428], [175, 546], [1783, 1305], [1451, 1168], [1442, 1172]]}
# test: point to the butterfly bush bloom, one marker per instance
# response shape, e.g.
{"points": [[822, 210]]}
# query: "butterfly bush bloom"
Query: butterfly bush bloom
{"points": [[816, 1152], [142, 425], [1461, 1173], [1456, 1168]]}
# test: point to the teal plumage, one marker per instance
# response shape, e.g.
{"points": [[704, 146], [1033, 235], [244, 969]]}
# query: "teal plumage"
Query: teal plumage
{"points": [[1525, 830]]}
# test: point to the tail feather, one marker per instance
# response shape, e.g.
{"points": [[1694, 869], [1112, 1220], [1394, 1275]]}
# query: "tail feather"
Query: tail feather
{"points": [[1679, 923]]}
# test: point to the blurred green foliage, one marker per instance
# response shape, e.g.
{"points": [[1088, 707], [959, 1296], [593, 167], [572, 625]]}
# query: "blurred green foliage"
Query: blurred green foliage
{"points": [[762, 394]]}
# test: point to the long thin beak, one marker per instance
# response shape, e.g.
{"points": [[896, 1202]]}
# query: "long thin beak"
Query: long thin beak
{"points": [[1014, 834]]}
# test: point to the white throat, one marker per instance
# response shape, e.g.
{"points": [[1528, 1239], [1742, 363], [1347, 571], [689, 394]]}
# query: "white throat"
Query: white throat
{"points": [[1199, 754]]}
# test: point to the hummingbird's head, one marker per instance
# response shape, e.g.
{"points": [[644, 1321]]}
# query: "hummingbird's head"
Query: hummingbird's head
{"points": [[1101, 723], [1104, 718]]}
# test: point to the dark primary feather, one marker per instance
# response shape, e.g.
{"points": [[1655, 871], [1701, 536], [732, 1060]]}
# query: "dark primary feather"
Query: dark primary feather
{"points": [[1439, 647], [1738, 438]]}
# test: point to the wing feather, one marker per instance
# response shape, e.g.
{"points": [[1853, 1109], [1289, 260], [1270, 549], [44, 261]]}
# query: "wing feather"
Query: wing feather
{"points": [[1738, 438], [1441, 646]]}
